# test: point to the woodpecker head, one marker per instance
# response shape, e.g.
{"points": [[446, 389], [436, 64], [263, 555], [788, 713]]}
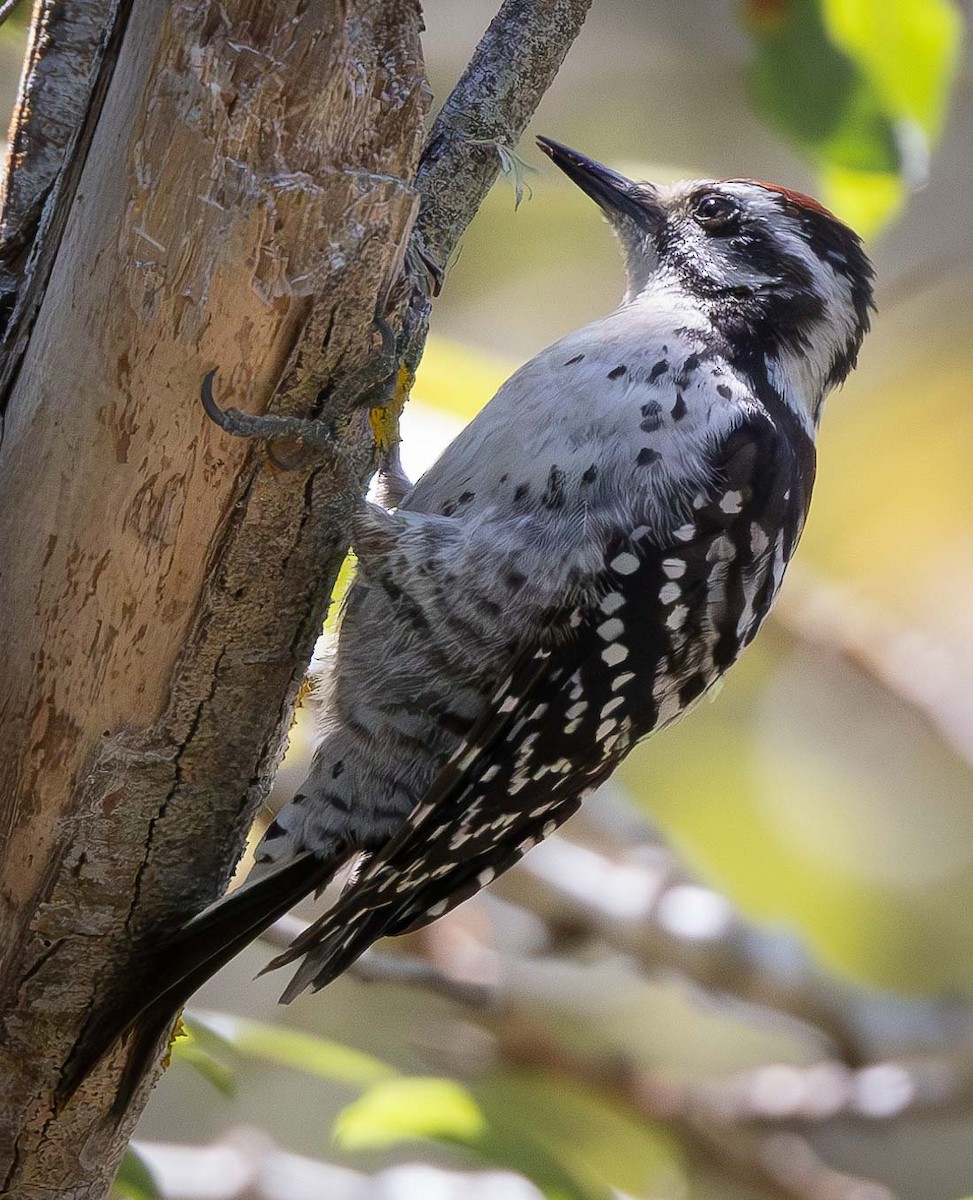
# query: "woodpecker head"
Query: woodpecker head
{"points": [[781, 278]]}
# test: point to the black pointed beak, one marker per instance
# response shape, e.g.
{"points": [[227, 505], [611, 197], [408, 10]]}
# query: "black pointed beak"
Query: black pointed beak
{"points": [[616, 195]]}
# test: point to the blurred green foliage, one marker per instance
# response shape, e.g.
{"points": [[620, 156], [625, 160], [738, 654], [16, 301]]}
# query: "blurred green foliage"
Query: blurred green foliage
{"points": [[287, 1047], [405, 1110], [134, 1180], [392, 1109], [205, 1051], [398, 1110], [862, 87]]}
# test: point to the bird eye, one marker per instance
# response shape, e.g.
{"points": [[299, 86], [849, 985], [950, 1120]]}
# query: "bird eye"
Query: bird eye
{"points": [[716, 213]]}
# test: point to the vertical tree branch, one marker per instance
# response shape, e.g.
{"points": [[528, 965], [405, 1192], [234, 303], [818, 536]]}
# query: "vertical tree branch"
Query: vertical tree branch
{"points": [[513, 67], [70, 57], [490, 106]]}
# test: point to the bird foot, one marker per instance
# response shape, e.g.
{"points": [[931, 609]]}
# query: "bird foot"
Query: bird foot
{"points": [[371, 387]]}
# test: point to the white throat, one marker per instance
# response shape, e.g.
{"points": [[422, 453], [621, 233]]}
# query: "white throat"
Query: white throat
{"points": [[799, 380]]}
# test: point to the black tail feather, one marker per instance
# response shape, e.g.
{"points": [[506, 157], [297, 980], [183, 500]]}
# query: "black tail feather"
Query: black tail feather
{"points": [[182, 963], [326, 960]]}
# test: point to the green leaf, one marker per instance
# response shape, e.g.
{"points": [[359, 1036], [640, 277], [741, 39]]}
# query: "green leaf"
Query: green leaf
{"points": [[404, 1110], [200, 1047], [399, 1110], [583, 1143], [292, 1048], [861, 87], [909, 51], [134, 1180], [515, 1149]]}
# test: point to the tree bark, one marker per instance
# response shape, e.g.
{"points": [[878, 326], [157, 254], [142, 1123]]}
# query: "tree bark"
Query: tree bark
{"points": [[245, 199], [234, 188]]}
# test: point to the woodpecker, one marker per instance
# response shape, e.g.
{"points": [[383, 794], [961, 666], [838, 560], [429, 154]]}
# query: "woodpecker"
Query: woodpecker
{"points": [[584, 562]]}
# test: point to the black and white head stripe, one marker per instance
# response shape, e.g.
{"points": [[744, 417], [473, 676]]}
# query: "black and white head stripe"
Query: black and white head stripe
{"points": [[835, 244], [784, 275]]}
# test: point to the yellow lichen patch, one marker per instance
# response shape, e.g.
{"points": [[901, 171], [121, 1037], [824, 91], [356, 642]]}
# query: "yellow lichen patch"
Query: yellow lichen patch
{"points": [[179, 1030], [385, 420]]}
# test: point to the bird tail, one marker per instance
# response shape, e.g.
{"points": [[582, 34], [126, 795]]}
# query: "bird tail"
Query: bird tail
{"points": [[183, 962]]}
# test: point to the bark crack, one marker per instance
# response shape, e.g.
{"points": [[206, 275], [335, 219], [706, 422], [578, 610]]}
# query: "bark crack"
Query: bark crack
{"points": [[173, 790]]}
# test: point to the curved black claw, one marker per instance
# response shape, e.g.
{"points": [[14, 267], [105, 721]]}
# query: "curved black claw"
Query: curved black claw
{"points": [[313, 435], [387, 334], [373, 385]]}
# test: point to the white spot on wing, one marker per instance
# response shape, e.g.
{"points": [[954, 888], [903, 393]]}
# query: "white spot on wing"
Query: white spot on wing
{"points": [[614, 654], [624, 564], [677, 618]]}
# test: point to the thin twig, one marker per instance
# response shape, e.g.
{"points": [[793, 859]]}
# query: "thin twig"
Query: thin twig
{"points": [[513, 66], [642, 903], [7, 8], [483, 118], [880, 1090], [246, 1164]]}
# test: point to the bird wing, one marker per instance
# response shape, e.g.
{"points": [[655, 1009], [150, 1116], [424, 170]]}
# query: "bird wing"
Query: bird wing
{"points": [[662, 624]]}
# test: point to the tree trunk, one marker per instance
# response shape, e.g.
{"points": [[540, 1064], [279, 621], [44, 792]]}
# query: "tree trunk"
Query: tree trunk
{"points": [[226, 185], [244, 202]]}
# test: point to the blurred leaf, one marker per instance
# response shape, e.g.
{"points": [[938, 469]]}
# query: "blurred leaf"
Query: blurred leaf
{"points": [[583, 1143], [14, 28], [861, 87], [866, 200], [515, 1149], [398, 1110], [403, 1110], [292, 1048], [134, 1180], [199, 1047], [908, 50]]}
